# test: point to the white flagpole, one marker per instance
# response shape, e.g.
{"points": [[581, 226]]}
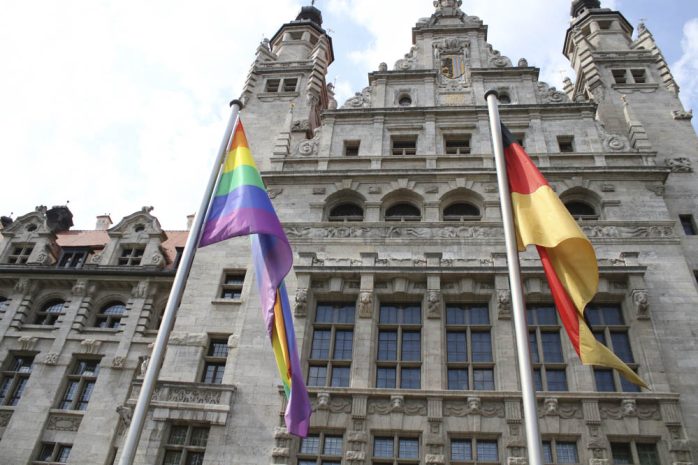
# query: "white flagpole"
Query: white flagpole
{"points": [[140, 412], [528, 392]]}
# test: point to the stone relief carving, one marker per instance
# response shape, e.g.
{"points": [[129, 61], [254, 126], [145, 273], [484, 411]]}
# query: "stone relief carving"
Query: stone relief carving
{"points": [[409, 62], [280, 432], [301, 308], [79, 289], [397, 404], [118, 362], [24, 286], [280, 452], [473, 406], [96, 258], [629, 232], [641, 302], [434, 304], [300, 126], [366, 304], [523, 63], [90, 346], [27, 343], [360, 99], [549, 94], [629, 408], [309, 147], [140, 290], [187, 395], [188, 339], [51, 358], [440, 4], [355, 456], [435, 459], [143, 366], [550, 407], [125, 414], [496, 59], [323, 400], [383, 67], [58, 422], [504, 303], [158, 259], [614, 142], [682, 115], [332, 405], [679, 165]]}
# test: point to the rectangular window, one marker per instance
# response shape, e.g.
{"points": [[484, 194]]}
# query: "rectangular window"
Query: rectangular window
{"points": [[472, 450], [608, 326], [620, 76], [399, 355], [333, 345], [565, 143], [688, 224], [231, 288], [321, 449], [20, 254], [560, 452], [549, 368], [73, 257], [351, 148], [13, 380], [290, 84], [404, 145], [634, 453], [469, 360], [214, 361], [396, 450], [131, 256], [186, 445], [639, 76], [51, 452], [273, 85], [457, 145], [80, 384]]}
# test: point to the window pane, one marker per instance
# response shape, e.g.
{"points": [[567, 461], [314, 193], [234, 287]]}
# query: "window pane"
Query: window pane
{"points": [[343, 345], [483, 379], [412, 315], [547, 452], [195, 458], [346, 314], [557, 380], [479, 315], [321, 344], [552, 347], [487, 451], [647, 453], [385, 377], [172, 457], [340, 377], [538, 379], [317, 376], [63, 454], [69, 396], [533, 346], [456, 347], [387, 345], [567, 452], [627, 386], [383, 447], [411, 346], [333, 445], [199, 437], [324, 314], [547, 316], [458, 379], [621, 346], [46, 452], [218, 349], [621, 453], [410, 378], [613, 315], [482, 347], [409, 448], [604, 380], [388, 315], [455, 316], [594, 315], [178, 435], [461, 450], [311, 444]]}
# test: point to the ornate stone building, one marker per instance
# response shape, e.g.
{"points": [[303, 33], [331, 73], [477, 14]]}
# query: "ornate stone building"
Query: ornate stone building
{"points": [[402, 304]]}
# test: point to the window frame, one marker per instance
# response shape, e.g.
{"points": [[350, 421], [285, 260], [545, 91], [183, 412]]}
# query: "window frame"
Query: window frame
{"points": [[19, 253], [74, 257], [688, 224], [131, 255], [227, 286], [468, 329], [319, 457], [460, 218], [351, 148], [617, 78], [43, 317], [403, 218], [79, 399], [213, 360], [473, 440], [13, 380], [554, 450], [330, 362], [541, 365], [464, 148], [578, 216], [565, 143], [632, 445], [345, 218], [403, 149], [186, 448], [113, 321], [56, 453], [400, 329], [395, 459]]}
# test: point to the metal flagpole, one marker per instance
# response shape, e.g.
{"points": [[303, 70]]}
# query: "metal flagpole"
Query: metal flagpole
{"points": [[150, 379], [528, 393]]}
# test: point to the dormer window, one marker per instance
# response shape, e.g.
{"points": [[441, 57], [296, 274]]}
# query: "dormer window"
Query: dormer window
{"points": [[20, 254], [131, 256], [73, 258]]}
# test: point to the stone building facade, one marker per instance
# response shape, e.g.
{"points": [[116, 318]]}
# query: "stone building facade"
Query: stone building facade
{"points": [[401, 296]]}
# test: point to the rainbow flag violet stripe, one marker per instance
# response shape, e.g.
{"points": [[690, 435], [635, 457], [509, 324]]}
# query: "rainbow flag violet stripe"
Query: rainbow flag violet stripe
{"points": [[241, 207]]}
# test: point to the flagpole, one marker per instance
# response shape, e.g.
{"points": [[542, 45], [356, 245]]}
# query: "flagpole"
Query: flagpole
{"points": [[528, 393], [140, 412]]}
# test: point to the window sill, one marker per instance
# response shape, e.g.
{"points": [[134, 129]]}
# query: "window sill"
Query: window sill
{"points": [[40, 327], [93, 330], [220, 301]]}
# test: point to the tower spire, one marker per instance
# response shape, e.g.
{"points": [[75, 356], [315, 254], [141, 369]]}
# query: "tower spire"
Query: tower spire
{"points": [[582, 6]]}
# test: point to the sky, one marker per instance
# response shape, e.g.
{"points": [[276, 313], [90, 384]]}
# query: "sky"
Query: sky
{"points": [[112, 105]]}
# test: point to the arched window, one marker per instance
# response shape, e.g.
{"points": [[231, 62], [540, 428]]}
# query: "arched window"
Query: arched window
{"points": [[110, 315], [581, 210], [461, 211], [403, 212], [346, 212], [49, 313]]}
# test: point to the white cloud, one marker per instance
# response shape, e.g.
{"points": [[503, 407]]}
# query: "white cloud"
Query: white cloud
{"points": [[686, 69]]}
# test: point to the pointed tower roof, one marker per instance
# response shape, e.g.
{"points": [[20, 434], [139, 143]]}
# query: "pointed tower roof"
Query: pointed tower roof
{"points": [[581, 6]]}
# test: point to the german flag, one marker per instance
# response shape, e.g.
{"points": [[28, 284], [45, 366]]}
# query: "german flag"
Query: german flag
{"points": [[568, 259]]}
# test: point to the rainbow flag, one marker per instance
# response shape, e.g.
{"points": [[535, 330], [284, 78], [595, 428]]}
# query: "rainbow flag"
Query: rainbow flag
{"points": [[241, 207], [568, 258]]}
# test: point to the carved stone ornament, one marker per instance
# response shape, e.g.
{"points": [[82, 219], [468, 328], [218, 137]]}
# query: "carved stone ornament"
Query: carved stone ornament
{"points": [[96, 259], [158, 259], [366, 304], [641, 303], [504, 303], [118, 362], [682, 115], [550, 407], [188, 395], [51, 358], [409, 62], [280, 432], [383, 67], [309, 147], [439, 4], [300, 126], [629, 407], [143, 366], [59, 422], [434, 304], [435, 459], [90, 346], [355, 456], [496, 58], [679, 165], [279, 452], [27, 343], [323, 400], [188, 339], [274, 193], [125, 414], [550, 94], [23, 286], [360, 99], [523, 63], [614, 142], [301, 308], [79, 289], [397, 403]]}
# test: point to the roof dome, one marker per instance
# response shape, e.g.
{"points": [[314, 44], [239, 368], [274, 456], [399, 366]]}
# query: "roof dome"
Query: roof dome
{"points": [[310, 13]]}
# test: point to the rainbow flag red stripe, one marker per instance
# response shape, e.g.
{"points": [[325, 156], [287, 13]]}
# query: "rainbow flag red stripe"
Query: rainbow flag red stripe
{"points": [[241, 207], [568, 258]]}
